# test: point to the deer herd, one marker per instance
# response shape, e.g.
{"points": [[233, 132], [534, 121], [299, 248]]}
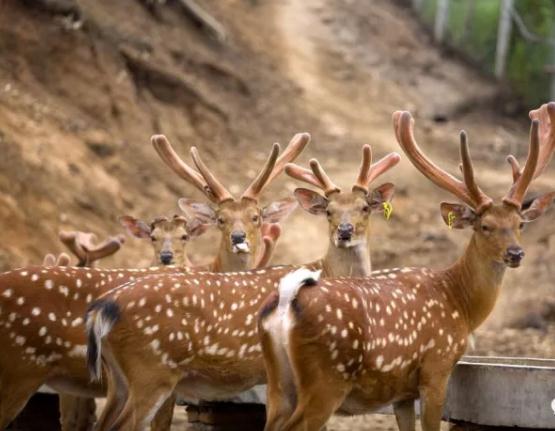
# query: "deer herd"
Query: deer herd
{"points": [[327, 337]]}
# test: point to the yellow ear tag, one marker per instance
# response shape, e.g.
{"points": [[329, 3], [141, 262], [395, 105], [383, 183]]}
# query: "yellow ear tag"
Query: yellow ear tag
{"points": [[387, 210], [451, 217]]}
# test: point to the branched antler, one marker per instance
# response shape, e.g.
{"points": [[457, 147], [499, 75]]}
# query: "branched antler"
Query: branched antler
{"points": [[466, 190], [205, 181], [83, 246]]}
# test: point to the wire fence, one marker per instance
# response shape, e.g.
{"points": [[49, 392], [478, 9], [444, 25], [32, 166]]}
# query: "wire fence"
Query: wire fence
{"points": [[513, 40]]}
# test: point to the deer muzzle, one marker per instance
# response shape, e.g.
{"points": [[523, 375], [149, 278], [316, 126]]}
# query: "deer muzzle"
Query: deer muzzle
{"points": [[166, 257], [513, 256]]}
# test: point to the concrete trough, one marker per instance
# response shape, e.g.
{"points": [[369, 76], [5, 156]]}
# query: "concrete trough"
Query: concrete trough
{"points": [[500, 391]]}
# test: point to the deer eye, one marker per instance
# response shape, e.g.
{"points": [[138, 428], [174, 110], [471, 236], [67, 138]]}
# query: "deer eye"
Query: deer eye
{"points": [[366, 208], [185, 237], [328, 213], [152, 238], [221, 221], [521, 225], [486, 229], [255, 218]]}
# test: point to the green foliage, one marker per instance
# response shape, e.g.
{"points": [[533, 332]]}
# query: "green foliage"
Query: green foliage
{"points": [[527, 59], [472, 28]]}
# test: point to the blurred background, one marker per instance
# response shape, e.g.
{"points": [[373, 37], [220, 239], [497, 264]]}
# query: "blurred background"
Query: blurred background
{"points": [[84, 84]]}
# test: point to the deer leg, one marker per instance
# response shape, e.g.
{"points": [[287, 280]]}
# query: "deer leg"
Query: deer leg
{"points": [[77, 413], [313, 410], [163, 418], [15, 391], [404, 413], [432, 395], [116, 394], [314, 405], [146, 396], [280, 391]]}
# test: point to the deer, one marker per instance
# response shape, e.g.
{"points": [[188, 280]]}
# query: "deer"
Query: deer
{"points": [[241, 220], [168, 237], [78, 413], [348, 214], [43, 307], [211, 354], [353, 345]]}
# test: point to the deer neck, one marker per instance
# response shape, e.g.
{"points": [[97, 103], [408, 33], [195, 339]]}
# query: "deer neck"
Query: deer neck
{"points": [[227, 261], [473, 284], [347, 262]]}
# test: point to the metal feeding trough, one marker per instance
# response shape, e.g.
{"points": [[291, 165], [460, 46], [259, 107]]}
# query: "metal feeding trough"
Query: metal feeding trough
{"points": [[498, 391]]}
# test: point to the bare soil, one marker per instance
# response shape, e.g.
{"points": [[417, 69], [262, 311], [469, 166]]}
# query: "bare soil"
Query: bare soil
{"points": [[79, 99]]}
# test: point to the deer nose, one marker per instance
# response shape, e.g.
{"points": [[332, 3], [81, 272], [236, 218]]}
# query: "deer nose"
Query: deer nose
{"points": [[238, 237], [514, 254], [345, 231], [166, 257]]}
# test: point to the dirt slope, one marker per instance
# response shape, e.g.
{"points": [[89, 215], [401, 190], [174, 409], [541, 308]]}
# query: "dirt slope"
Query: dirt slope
{"points": [[79, 101]]}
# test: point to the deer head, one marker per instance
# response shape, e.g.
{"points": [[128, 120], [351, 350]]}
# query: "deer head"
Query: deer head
{"points": [[240, 220], [347, 213], [497, 226], [168, 236]]}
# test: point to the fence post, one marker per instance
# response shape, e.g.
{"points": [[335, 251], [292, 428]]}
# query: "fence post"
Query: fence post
{"points": [[442, 13], [503, 38]]}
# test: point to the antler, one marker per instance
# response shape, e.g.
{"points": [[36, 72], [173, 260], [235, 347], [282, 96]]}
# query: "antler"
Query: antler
{"points": [[275, 166], [106, 248], [369, 172], [82, 245], [540, 151], [467, 191], [523, 178], [182, 169], [204, 181], [219, 191], [270, 234], [50, 259], [545, 114], [317, 177]]}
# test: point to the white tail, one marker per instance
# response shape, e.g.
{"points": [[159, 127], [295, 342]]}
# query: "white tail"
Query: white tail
{"points": [[101, 318]]}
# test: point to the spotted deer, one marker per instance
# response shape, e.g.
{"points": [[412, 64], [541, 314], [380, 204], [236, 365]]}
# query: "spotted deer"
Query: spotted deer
{"points": [[168, 237], [78, 413], [348, 213], [240, 220], [195, 334], [352, 345], [42, 308]]}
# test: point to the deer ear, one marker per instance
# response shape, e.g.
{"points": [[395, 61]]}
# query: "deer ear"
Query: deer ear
{"points": [[135, 227], [278, 210], [198, 211], [538, 207], [311, 201], [457, 216], [197, 228], [380, 195]]}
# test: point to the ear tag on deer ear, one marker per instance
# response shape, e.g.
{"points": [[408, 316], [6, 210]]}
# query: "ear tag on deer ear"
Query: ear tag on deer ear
{"points": [[451, 217], [387, 210]]}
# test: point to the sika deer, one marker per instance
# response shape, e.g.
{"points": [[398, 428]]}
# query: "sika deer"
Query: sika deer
{"points": [[42, 307], [240, 220], [196, 334], [354, 345], [41, 320], [78, 413], [168, 236], [348, 214]]}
